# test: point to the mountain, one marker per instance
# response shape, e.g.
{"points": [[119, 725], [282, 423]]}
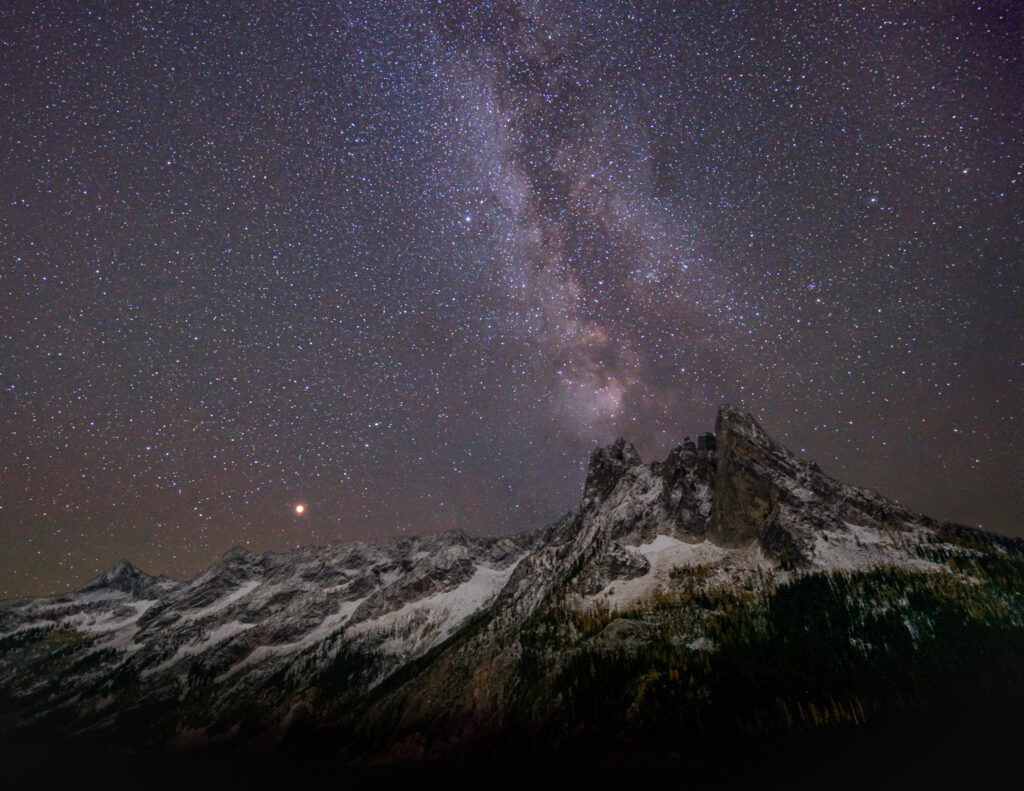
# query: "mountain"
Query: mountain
{"points": [[732, 599]]}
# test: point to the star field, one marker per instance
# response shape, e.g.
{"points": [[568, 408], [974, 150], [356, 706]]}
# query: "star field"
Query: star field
{"points": [[405, 264]]}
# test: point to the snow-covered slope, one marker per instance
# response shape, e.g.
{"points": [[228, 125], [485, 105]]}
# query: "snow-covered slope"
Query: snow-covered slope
{"points": [[249, 615]]}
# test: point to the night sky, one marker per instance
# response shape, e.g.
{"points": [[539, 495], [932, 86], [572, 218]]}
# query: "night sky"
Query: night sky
{"points": [[407, 264]]}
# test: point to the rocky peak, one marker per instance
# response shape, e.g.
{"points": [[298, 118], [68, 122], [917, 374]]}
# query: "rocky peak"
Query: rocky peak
{"points": [[764, 493], [239, 554], [123, 577], [607, 466], [735, 487], [736, 423]]}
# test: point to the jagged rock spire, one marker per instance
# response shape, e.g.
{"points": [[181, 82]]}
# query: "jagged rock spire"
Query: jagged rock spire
{"points": [[607, 465]]}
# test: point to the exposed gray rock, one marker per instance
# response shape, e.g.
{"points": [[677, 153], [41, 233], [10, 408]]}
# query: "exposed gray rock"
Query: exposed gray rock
{"points": [[611, 562], [607, 466], [624, 634], [745, 492]]}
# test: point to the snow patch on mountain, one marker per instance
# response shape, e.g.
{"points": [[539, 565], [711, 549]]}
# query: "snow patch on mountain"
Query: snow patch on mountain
{"points": [[419, 625], [862, 547], [121, 617], [226, 601], [329, 626], [666, 554], [218, 634]]}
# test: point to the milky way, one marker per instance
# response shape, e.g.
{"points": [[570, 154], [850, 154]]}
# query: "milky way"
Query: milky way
{"points": [[406, 264]]}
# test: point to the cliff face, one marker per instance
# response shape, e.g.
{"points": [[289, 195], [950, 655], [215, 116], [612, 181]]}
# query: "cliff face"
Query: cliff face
{"points": [[434, 643], [746, 481]]}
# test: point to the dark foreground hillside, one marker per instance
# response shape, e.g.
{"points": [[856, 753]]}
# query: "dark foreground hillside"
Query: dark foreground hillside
{"points": [[872, 676]]}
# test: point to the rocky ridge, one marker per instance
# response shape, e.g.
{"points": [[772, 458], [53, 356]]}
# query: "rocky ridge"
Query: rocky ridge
{"points": [[383, 639]]}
